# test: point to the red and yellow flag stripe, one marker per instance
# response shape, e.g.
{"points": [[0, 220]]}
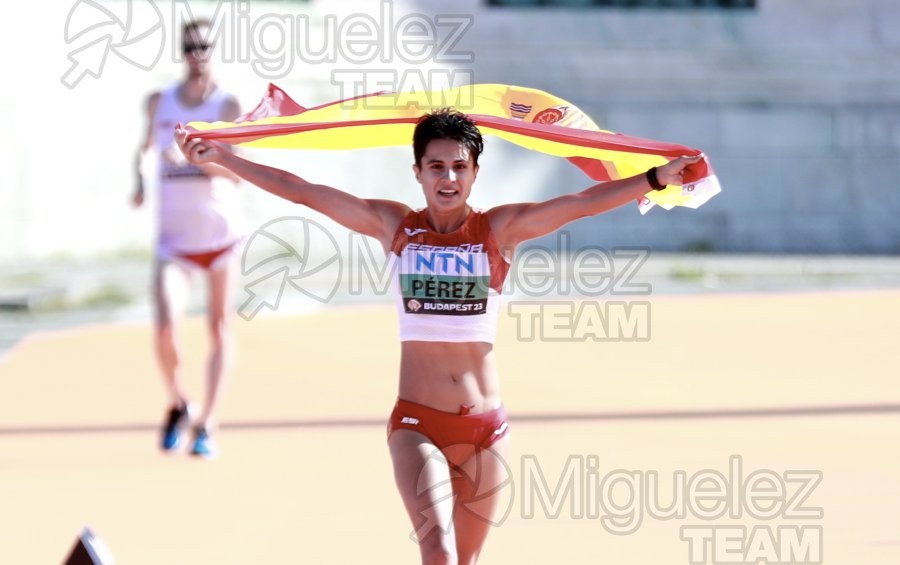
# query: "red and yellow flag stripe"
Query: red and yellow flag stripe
{"points": [[527, 117]]}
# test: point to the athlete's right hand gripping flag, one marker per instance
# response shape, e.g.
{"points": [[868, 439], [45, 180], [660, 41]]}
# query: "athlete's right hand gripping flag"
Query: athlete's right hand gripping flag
{"points": [[527, 117]]}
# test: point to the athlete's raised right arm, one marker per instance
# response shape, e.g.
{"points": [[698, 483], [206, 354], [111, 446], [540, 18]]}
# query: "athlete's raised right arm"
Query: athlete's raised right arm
{"points": [[375, 218]]}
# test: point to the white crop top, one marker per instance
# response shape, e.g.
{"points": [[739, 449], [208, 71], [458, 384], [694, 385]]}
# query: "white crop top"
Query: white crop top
{"points": [[447, 285]]}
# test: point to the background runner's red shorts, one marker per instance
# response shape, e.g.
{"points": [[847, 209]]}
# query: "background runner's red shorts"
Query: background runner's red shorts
{"points": [[446, 429]]}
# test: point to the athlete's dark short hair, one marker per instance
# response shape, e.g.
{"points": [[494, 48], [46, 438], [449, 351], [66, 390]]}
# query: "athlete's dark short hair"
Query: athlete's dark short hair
{"points": [[194, 24], [447, 123]]}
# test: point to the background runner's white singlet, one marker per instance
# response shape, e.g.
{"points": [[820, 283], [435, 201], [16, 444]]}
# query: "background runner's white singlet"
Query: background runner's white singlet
{"points": [[197, 213]]}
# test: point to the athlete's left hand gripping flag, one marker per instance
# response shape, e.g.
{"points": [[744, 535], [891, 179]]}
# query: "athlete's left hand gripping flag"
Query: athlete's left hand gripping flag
{"points": [[527, 117]]}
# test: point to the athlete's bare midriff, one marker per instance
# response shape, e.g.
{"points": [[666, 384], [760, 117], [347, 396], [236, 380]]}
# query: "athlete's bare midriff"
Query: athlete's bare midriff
{"points": [[446, 375]]}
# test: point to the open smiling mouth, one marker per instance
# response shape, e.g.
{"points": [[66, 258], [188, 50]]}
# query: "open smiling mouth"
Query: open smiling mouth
{"points": [[448, 192]]}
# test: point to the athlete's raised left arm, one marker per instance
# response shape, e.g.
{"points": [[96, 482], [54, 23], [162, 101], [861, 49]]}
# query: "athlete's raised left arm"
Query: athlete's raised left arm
{"points": [[515, 223], [231, 109]]}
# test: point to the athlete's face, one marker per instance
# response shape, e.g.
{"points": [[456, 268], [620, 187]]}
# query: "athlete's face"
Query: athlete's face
{"points": [[446, 173], [197, 50]]}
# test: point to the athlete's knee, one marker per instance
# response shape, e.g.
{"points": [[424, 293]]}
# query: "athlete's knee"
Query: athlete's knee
{"points": [[468, 558], [438, 549], [167, 351], [165, 334], [219, 330]]}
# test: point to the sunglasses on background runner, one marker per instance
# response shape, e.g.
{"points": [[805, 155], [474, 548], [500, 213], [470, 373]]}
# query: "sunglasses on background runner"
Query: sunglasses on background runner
{"points": [[195, 47]]}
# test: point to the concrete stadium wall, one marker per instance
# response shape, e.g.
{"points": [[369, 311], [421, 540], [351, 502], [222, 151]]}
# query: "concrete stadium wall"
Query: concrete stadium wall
{"points": [[797, 104]]}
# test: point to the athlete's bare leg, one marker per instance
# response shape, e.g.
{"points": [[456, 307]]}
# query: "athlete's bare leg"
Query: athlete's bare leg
{"points": [[478, 486], [218, 319], [170, 290], [424, 481]]}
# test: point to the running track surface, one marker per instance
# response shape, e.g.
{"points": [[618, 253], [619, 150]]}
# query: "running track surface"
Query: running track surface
{"points": [[789, 382]]}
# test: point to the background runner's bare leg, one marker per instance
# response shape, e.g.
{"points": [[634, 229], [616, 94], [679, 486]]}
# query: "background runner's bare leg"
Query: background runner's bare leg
{"points": [[218, 318], [170, 290]]}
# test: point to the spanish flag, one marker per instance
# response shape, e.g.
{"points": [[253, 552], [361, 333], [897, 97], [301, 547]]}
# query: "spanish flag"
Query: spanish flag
{"points": [[527, 117]]}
